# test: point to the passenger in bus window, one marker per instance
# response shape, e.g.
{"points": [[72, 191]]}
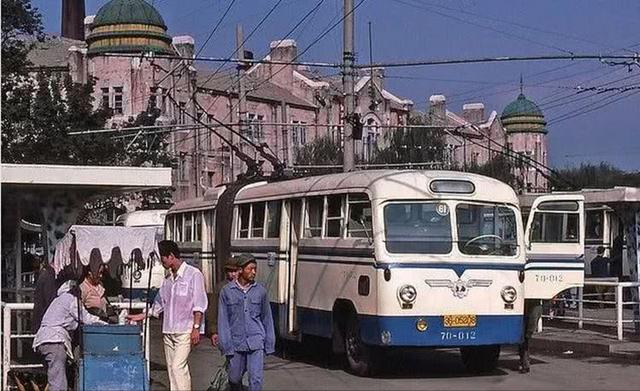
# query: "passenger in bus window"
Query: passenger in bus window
{"points": [[245, 325]]}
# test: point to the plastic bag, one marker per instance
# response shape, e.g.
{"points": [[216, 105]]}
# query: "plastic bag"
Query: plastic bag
{"points": [[220, 380]]}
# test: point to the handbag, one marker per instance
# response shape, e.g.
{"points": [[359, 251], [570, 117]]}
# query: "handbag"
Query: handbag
{"points": [[220, 381]]}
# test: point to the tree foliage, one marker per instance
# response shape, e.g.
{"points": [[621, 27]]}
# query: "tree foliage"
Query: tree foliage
{"points": [[21, 28], [412, 145], [603, 175], [501, 167], [322, 150]]}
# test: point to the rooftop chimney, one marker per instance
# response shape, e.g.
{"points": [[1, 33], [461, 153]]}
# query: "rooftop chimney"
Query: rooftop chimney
{"points": [[285, 51], [473, 112], [437, 110], [73, 19]]}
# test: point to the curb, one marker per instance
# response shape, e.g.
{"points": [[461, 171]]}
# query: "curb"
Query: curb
{"points": [[549, 344]]}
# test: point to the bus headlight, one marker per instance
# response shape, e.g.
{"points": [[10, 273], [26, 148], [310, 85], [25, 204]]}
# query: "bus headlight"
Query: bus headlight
{"points": [[509, 294], [407, 294]]}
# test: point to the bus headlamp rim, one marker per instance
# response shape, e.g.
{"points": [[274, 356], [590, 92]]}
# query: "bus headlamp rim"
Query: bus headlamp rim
{"points": [[407, 293], [509, 294]]}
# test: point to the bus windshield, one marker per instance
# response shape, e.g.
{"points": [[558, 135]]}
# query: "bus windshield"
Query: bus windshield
{"points": [[419, 228], [486, 229]]}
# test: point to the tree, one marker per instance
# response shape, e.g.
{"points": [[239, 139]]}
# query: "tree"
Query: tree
{"points": [[412, 145], [21, 28], [500, 167], [322, 150], [38, 115], [603, 175]]}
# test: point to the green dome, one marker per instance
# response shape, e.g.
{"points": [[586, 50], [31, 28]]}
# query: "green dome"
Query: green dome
{"points": [[521, 107], [128, 26], [128, 12], [523, 116]]}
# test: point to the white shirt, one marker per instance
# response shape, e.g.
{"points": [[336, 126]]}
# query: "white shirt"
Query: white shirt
{"points": [[178, 298]]}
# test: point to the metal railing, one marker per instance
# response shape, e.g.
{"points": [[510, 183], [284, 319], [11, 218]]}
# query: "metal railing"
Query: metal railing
{"points": [[8, 309], [615, 289]]}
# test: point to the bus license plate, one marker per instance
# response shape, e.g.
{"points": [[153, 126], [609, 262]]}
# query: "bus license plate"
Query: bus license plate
{"points": [[459, 321]]}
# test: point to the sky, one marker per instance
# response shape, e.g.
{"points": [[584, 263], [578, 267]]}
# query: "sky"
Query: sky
{"points": [[583, 126]]}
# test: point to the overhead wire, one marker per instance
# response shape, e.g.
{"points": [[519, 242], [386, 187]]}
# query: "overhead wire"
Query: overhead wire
{"points": [[257, 26], [302, 20], [215, 28]]}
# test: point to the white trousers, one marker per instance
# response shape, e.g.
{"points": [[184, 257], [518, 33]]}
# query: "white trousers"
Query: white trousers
{"points": [[176, 351]]}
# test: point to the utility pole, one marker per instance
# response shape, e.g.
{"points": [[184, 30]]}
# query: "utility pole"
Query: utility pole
{"points": [[242, 101], [196, 142], [348, 59]]}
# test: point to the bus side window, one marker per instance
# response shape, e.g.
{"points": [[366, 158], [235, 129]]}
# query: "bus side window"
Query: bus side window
{"points": [[594, 225], [359, 209], [313, 220], [179, 218], [169, 229], [555, 228], [197, 226], [188, 227], [257, 223], [244, 210], [334, 224], [273, 219]]}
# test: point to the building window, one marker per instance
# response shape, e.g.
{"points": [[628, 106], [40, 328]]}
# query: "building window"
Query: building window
{"points": [[105, 98], [371, 140], [117, 100], [182, 168], [163, 101], [182, 107], [254, 127], [299, 133]]}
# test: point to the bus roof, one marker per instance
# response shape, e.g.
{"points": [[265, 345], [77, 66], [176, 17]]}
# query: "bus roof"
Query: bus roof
{"points": [[383, 184], [613, 195], [208, 201], [142, 218]]}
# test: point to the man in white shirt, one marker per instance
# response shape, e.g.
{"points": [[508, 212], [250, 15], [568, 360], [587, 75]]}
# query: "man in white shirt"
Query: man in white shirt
{"points": [[182, 300]]}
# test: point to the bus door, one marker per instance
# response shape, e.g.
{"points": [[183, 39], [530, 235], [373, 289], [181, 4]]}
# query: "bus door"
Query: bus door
{"points": [[294, 213], [554, 238]]}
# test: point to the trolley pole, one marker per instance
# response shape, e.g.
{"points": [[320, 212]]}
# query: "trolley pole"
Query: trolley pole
{"points": [[348, 59], [242, 100]]}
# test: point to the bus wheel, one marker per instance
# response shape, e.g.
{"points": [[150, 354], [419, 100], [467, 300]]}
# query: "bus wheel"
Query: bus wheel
{"points": [[479, 359], [359, 356]]}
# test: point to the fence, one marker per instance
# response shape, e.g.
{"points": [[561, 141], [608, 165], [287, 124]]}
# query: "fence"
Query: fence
{"points": [[611, 288], [9, 309]]}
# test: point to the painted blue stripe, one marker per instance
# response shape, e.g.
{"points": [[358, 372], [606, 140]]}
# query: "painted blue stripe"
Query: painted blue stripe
{"points": [[558, 260], [458, 268], [489, 330], [566, 268]]}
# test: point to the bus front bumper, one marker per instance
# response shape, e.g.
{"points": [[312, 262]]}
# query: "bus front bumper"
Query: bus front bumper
{"points": [[431, 331]]}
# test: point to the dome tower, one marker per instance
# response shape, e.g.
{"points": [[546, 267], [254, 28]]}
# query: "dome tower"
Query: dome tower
{"points": [[526, 132], [128, 26]]}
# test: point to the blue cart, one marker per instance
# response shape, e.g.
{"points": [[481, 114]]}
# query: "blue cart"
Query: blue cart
{"points": [[113, 359]]}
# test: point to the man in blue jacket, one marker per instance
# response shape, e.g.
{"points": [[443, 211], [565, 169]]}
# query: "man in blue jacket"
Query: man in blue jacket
{"points": [[245, 325]]}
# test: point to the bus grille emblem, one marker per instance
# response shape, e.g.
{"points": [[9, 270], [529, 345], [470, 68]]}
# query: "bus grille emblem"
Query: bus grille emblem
{"points": [[459, 288]]}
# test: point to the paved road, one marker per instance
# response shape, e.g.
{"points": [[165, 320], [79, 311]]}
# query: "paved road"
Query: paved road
{"points": [[307, 369]]}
